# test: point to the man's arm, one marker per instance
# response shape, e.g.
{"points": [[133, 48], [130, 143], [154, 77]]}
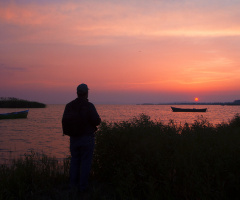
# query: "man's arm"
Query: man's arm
{"points": [[94, 116]]}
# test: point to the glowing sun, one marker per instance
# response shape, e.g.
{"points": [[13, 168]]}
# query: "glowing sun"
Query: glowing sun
{"points": [[196, 99]]}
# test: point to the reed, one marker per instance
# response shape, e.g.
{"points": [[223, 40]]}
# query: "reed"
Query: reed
{"points": [[34, 176], [144, 159], [141, 159]]}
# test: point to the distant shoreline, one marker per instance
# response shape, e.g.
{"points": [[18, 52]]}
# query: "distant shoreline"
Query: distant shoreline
{"points": [[11, 102], [234, 103]]}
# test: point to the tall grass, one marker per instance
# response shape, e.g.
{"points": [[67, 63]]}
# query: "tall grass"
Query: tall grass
{"points": [[36, 175], [141, 159]]}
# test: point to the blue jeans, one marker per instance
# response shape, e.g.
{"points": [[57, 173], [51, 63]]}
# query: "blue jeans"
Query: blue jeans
{"points": [[81, 160]]}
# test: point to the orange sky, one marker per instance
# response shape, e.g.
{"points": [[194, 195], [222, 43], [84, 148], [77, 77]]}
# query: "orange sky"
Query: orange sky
{"points": [[131, 51]]}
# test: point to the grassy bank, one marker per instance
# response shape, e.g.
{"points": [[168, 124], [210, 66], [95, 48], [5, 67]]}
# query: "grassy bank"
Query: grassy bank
{"points": [[36, 176], [12, 102], [141, 159]]}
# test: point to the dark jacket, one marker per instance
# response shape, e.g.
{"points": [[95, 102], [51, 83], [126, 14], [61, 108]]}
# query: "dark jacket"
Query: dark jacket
{"points": [[80, 117]]}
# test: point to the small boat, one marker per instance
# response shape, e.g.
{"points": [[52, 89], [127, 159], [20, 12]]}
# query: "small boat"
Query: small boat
{"points": [[14, 115], [174, 109]]}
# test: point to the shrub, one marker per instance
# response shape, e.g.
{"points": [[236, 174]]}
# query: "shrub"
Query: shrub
{"points": [[148, 160]]}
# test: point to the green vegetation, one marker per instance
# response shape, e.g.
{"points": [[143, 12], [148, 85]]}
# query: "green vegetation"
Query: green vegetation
{"points": [[34, 176], [141, 159], [11, 102]]}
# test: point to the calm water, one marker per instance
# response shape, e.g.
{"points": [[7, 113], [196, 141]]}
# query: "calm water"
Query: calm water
{"points": [[42, 132]]}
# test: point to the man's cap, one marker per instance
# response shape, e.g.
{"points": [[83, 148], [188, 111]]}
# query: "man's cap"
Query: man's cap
{"points": [[82, 89]]}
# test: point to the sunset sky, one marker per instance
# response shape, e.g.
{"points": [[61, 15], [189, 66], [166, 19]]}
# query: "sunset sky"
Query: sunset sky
{"points": [[127, 52]]}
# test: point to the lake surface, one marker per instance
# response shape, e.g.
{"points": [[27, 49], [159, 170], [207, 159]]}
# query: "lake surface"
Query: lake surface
{"points": [[42, 130]]}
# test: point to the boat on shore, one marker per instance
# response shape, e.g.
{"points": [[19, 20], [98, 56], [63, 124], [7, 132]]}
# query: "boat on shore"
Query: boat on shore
{"points": [[14, 115], [174, 109]]}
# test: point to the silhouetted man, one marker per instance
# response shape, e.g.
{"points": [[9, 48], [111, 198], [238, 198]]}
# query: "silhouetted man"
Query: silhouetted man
{"points": [[80, 121]]}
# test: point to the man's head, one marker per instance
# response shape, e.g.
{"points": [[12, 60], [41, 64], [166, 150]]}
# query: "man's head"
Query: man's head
{"points": [[82, 90]]}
